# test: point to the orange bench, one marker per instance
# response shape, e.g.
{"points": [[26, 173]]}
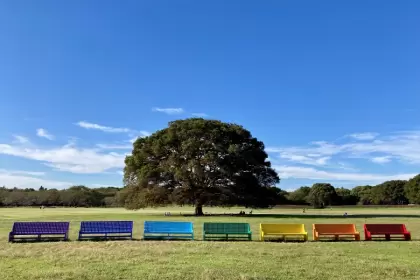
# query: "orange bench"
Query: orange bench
{"points": [[335, 231], [385, 231]]}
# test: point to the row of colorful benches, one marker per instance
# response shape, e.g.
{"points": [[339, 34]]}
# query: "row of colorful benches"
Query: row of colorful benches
{"points": [[211, 231]]}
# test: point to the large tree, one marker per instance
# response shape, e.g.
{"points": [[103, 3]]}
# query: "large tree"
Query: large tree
{"points": [[200, 162]]}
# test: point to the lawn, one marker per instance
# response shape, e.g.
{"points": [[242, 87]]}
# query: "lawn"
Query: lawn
{"points": [[211, 260]]}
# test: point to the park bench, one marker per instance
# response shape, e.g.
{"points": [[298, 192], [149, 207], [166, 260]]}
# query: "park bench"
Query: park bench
{"points": [[106, 230], [335, 231], [227, 231], [281, 231], [386, 231], [39, 230], [168, 230]]}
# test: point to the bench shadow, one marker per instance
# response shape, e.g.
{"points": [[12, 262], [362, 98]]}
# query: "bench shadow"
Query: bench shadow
{"points": [[37, 240], [102, 239]]}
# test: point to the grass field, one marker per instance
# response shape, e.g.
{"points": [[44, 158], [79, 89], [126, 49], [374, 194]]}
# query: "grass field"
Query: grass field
{"points": [[211, 260]]}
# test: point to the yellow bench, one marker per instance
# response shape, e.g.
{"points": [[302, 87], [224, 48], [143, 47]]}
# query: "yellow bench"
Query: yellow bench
{"points": [[334, 231], [280, 231]]}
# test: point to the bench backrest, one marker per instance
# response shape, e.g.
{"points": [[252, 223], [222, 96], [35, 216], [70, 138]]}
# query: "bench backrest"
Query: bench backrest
{"points": [[106, 226], [335, 228], [167, 227], [40, 227], [385, 228], [282, 228], [227, 228]]}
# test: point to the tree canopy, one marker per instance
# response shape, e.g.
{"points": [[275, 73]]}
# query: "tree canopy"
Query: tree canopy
{"points": [[321, 195], [200, 162]]}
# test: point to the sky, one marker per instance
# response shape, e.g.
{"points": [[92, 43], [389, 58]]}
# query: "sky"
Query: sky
{"points": [[331, 87]]}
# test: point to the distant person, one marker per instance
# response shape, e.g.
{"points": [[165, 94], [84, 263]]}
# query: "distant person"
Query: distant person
{"points": [[303, 210], [250, 212]]}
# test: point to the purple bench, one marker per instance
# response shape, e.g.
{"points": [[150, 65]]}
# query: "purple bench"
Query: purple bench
{"points": [[35, 230]]}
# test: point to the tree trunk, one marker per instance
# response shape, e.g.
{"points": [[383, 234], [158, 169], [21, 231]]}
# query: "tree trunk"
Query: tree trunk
{"points": [[199, 210]]}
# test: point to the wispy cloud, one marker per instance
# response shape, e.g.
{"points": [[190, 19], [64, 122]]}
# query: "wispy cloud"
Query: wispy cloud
{"points": [[21, 139], [299, 172], [381, 160], [200, 115], [22, 172], [114, 146], [28, 179], [404, 146], [44, 133], [103, 128], [364, 135], [169, 111], [68, 158]]}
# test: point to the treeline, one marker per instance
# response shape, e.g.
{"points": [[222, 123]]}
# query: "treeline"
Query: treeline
{"points": [[395, 192], [76, 196]]}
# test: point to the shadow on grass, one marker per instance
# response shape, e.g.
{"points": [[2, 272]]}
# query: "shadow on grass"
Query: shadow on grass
{"points": [[101, 239], [39, 240], [309, 216]]}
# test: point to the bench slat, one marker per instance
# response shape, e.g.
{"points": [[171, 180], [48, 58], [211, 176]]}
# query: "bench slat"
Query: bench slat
{"points": [[168, 230], [22, 229], [225, 230], [106, 230]]}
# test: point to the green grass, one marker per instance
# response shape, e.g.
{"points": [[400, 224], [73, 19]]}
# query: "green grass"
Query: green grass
{"points": [[210, 260]]}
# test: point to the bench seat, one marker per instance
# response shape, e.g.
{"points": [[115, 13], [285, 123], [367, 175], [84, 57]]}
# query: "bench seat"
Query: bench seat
{"points": [[38, 231], [227, 231], [106, 230], [386, 232], [283, 232], [335, 232]]}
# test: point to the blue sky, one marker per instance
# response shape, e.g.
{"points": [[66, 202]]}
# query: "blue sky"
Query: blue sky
{"points": [[331, 87]]}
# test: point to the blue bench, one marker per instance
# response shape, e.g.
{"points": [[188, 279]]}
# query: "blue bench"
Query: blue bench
{"points": [[37, 230], [168, 230], [106, 230]]}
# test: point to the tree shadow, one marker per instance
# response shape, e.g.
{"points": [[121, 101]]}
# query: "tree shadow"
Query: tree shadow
{"points": [[309, 216]]}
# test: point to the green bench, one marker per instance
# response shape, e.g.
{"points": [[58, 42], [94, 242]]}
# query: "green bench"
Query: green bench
{"points": [[227, 231]]}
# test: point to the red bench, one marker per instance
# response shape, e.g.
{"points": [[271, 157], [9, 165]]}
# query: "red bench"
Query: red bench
{"points": [[385, 231]]}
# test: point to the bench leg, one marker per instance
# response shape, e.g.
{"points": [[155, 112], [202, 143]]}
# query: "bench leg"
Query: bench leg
{"points": [[407, 237], [336, 237], [357, 237], [387, 237]]}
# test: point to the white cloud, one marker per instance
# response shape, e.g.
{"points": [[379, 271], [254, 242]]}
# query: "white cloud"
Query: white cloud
{"points": [[381, 160], [68, 158], [200, 115], [364, 135], [120, 172], [44, 133], [20, 180], [298, 172], [169, 111], [21, 139], [103, 128]]}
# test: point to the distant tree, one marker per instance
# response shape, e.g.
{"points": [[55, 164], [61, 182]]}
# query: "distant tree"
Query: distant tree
{"points": [[199, 162], [364, 194], [412, 190], [299, 196], [345, 197], [321, 195], [389, 193]]}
